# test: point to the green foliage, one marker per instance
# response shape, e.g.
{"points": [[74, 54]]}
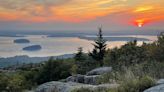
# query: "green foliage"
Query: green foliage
{"points": [[135, 85], [12, 83], [83, 63], [99, 50], [129, 54], [74, 69], [54, 70], [80, 56], [16, 83], [158, 49], [3, 81]]}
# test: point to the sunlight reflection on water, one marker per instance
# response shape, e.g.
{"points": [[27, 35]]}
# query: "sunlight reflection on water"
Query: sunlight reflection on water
{"points": [[51, 46]]}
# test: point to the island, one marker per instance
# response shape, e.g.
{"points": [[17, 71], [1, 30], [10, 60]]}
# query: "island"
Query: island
{"points": [[32, 48], [20, 41]]}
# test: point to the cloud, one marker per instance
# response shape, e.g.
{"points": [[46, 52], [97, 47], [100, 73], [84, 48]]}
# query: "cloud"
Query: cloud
{"points": [[79, 10]]}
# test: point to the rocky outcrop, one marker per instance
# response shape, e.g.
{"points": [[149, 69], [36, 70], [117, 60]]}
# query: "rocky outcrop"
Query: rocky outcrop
{"points": [[158, 88], [76, 78], [91, 77], [70, 86], [56, 87], [84, 79], [99, 71], [75, 82], [161, 81]]}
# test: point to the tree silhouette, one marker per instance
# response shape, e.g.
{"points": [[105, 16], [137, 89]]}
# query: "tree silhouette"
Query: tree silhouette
{"points": [[79, 55], [99, 50]]}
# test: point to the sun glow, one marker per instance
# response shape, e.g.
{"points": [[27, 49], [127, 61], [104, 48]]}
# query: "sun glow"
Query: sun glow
{"points": [[140, 22]]}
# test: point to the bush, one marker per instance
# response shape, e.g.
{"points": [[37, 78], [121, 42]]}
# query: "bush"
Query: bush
{"points": [[3, 82], [135, 85], [54, 70], [12, 83]]}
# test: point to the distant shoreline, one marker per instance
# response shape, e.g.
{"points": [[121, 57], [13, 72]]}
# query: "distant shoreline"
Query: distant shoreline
{"points": [[117, 38], [25, 59]]}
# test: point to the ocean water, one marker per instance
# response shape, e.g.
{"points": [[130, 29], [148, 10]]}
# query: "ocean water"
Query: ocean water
{"points": [[54, 46]]}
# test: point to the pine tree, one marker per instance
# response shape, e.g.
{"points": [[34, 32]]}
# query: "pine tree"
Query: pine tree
{"points": [[99, 50], [79, 55]]}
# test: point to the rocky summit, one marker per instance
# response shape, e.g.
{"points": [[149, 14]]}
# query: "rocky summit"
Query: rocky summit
{"points": [[55, 86], [75, 82]]}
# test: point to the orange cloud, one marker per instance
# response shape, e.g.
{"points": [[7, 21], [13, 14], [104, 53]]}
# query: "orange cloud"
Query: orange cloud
{"points": [[80, 10], [6, 16], [143, 8]]}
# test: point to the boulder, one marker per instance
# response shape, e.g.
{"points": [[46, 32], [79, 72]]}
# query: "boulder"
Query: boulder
{"points": [[70, 86], [84, 79], [158, 88], [55, 87], [92, 79], [99, 71], [76, 78]]}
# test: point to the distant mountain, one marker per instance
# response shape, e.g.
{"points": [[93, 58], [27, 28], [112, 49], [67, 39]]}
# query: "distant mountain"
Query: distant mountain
{"points": [[20, 60]]}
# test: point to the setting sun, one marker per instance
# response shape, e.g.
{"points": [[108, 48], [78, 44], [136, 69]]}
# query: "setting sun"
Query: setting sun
{"points": [[140, 22]]}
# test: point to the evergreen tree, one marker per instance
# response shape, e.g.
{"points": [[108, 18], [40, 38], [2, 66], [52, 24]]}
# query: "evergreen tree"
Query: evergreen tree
{"points": [[79, 55], [99, 50]]}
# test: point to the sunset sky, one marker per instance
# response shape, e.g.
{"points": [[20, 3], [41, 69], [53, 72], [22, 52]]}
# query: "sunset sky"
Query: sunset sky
{"points": [[81, 14]]}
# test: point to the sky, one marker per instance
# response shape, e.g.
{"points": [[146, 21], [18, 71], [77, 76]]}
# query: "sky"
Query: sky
{"points": [[81, 15]]}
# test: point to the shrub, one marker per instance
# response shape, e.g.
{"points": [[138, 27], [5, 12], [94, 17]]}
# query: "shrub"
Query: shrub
{"points": [[54, 70], [135, 85], [12, 83]]}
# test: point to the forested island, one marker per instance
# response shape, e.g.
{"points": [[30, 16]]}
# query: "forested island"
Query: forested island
{"points": [[21, 41], [32, 48], [129, 68]]}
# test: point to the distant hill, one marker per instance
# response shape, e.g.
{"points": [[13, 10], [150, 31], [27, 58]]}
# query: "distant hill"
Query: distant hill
{"points": [[19, 60]]}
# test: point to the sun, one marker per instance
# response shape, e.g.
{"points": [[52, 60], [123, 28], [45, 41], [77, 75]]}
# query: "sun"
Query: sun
{"points": [[139, 22]]}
